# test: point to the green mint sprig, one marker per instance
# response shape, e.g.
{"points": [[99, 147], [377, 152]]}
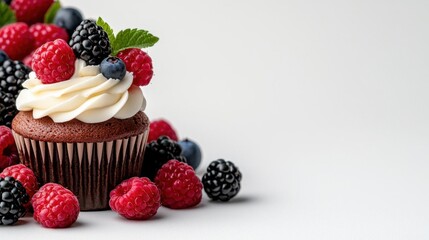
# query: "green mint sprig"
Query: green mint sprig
{"points": [[50, 14], [128, 38], [6, 14]]}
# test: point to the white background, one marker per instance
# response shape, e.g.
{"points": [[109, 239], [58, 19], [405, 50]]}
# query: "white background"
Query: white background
{"points": [[323, 105]]}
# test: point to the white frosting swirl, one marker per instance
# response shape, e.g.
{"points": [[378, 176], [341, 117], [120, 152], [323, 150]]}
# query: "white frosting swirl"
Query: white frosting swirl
{"points": [[87, 96]]}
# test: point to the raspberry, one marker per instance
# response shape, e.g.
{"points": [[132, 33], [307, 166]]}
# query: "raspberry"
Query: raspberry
{"points": [[157, 153], [8, 151], [16, 40], [135, 198], [179, 185], [159, 128], [222, 180], [139, 63], [23, 174], [30, 11], [90, 42], [43, 33], [55, 206], [54, 62], [13, 198]]}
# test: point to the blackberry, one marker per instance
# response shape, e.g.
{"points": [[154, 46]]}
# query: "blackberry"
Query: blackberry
{"points": [[90, 42], [12, 75], [7, 108], [13, 198], [222, 180], [159, 152]]}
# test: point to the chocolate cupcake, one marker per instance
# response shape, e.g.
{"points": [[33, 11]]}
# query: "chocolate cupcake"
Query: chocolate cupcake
{"points": [[87, 133]]}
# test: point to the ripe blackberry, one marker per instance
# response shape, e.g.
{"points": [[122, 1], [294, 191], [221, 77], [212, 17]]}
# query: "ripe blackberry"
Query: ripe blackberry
{"points": [[12, 75], [159, 152], [90, 42], [7, 108], [13, 198], [222, 180]]}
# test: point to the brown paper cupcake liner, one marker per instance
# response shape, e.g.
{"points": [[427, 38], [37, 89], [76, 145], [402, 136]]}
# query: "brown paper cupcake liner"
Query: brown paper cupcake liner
{"points": [[89, 170]]}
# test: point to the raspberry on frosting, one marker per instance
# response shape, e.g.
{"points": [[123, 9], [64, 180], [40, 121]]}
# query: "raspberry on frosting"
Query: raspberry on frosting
{"points": [[54, 62], [139, 63]]}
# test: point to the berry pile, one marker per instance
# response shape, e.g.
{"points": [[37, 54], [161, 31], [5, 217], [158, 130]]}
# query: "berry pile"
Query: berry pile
{"points": [[50, 39], [24, 175], [158, 153], [18, 41]]}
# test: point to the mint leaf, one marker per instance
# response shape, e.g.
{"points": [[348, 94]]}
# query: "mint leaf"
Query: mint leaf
{"points": [[6, 14], [132, 38], [107, 29], [50, 14]]}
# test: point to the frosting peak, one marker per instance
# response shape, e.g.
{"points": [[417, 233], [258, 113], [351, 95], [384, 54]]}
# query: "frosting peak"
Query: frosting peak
{"points": [[87, 96]]}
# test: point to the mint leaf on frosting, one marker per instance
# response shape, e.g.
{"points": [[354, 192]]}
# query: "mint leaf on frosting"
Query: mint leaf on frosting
{"points": [[6, 14], [133, 38], [128, 38], [50, 14], [107, 29]]}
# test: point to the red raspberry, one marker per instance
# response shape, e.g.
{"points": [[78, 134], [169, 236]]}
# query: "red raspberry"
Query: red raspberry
{"points": [[23, 174], [159, 128], [8, 151], [43, 33], [179, 185], [54, 62], [55, 206], [135, 198], [16, 40], [30, 11], [139, 63]]}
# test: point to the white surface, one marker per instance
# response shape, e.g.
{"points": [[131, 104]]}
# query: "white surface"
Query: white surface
{"points": [[322, 105]]}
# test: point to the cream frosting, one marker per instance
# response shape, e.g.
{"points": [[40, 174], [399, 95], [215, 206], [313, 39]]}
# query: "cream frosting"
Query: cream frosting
{"points": [[87, 96]]}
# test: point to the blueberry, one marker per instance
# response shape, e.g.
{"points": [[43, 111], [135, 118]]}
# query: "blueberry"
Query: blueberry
{"points": [[113, 67], [191, 151], [3, 56], [68, 18]]}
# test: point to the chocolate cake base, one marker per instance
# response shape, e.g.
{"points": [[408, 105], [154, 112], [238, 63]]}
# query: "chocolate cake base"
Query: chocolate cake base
{"points": [[90, 169]]}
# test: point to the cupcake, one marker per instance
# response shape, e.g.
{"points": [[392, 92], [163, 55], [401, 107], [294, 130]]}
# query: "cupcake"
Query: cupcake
{"points": [[81, 122]]}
